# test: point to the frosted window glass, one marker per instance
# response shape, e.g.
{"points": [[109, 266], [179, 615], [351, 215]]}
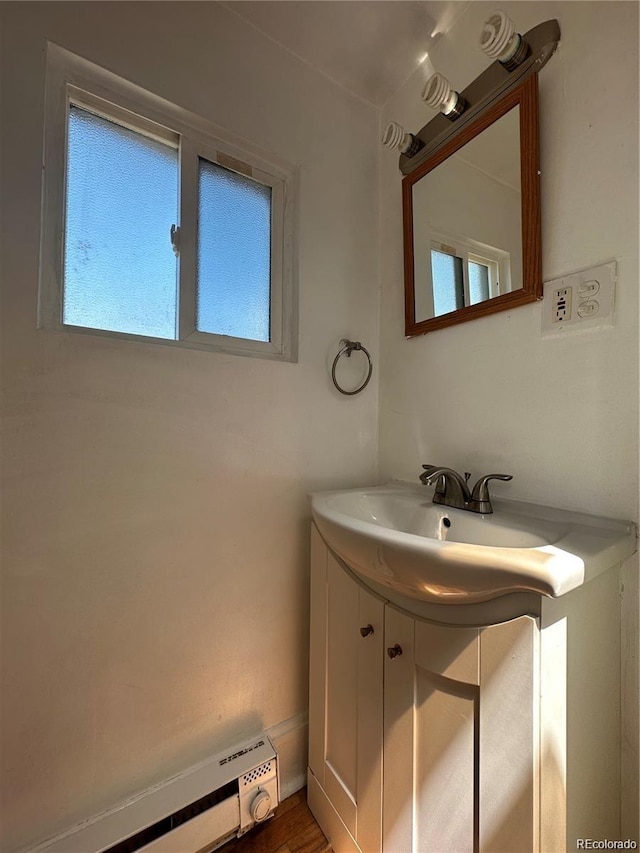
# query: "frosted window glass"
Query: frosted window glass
{"points": [[478, 282], [448, 288], [234, 254], [120, 272]]}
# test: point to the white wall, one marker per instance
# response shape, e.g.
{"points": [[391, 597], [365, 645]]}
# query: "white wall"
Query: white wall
{"points": [[155, 573], [561, 415]]}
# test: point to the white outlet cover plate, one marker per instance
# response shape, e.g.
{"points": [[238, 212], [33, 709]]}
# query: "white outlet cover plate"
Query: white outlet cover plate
{"points": [[592, 300]]}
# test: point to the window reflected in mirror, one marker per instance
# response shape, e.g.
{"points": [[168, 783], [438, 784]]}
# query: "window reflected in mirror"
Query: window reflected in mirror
{"points": [[447, 276]]}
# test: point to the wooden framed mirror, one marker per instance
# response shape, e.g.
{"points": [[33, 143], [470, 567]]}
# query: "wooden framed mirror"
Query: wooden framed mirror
{"points": [[471, 219]]}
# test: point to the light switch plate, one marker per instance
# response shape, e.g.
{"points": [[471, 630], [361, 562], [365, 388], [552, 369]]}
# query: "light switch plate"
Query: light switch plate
{"points": [[580, 301]]}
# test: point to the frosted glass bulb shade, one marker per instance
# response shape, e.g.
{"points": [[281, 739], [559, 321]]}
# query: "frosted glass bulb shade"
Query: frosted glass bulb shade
{"points": [[499, 40], [440, 94], [395, 136]]}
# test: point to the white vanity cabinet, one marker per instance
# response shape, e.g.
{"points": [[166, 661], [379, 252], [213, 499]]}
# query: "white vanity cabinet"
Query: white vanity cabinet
{"points": [[481, 710], [422, 736]]}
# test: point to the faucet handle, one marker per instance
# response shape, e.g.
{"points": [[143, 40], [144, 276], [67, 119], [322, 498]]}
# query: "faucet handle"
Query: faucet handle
{"points": [[481, 488], [480, 495]]}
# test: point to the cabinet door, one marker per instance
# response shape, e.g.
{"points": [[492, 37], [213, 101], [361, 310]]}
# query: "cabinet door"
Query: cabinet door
{"points": [[345, 708], [509, 737], [431, 713], [459, 763]]}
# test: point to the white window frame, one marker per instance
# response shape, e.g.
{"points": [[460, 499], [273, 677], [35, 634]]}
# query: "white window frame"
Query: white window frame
{"points": [[71, 79]]}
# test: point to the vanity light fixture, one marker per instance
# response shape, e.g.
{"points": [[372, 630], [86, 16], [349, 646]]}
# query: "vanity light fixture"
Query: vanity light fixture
{"points": [[516, 58], [440, 94], [499, 40], [395, 136]]}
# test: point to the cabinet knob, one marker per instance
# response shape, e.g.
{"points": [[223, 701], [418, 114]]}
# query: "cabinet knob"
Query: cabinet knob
{"points": [[368, 629], [394, 651]]}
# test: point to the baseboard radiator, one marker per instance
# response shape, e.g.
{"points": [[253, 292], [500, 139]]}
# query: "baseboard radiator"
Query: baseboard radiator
{"points": [[194, 812]]}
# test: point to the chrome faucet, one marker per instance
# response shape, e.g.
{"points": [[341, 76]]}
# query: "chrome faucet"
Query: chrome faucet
{"points": [[452, 490]]}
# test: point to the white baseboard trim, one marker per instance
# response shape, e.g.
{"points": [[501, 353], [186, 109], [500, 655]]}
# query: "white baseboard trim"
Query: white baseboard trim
{"points": [[284, 728], [290, 739]]}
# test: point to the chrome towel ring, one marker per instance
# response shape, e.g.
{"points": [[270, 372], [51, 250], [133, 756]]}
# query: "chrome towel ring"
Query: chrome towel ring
{"points": [[347, 348]]}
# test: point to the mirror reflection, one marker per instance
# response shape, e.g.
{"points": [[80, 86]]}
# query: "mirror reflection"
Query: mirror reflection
{"points": [[467, 223]]}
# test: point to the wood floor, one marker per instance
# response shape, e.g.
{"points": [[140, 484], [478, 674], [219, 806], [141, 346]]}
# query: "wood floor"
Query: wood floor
{"points": [[291, 830]]}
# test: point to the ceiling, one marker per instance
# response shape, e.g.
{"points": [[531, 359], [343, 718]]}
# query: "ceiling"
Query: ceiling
{"points": [[370, 47]]}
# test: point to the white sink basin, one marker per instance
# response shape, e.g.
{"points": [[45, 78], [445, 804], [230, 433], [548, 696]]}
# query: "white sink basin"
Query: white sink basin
{"points": [[396, 536]]}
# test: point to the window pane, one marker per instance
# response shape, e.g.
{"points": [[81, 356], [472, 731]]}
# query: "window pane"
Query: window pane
{"points": [[448, 287], [122, 198], [478, 282], [234, 254]]}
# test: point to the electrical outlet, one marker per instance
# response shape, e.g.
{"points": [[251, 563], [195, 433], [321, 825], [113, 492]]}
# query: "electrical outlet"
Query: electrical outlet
{"points": [[562, 304], [579, 301]]}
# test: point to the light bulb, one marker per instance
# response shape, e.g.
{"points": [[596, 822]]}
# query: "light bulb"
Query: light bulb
{"points": [[499, 40], [440, 94], [395, 136]]}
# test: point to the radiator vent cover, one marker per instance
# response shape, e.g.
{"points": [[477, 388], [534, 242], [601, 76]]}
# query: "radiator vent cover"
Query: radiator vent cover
{"points": [[198, 809]]}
